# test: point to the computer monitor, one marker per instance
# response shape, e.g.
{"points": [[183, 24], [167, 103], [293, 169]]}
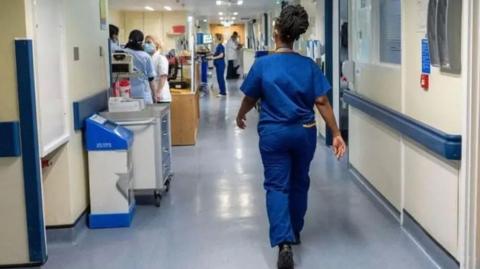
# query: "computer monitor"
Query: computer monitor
{"points": [[207, 39]]}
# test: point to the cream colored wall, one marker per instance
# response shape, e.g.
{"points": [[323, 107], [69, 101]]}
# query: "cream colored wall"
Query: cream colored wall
{"points": [[431, 194], [376, 153], [158, 24], [375, 150], [66, 182], [430, 183], [13, 232], [445, 94], [116, 17]]}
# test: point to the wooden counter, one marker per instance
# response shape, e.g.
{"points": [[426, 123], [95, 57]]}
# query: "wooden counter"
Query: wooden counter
{"points": [[185, 114]]}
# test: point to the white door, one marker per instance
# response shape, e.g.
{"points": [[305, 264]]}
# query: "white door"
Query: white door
{"points": [[49, 51]]}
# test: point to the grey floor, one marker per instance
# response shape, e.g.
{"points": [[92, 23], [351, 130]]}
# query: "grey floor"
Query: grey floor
{"points": [[214, 217]]}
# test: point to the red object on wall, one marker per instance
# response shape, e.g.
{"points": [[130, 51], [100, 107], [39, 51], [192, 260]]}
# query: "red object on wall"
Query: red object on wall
{"points": [[425, 81], [178, 29]]}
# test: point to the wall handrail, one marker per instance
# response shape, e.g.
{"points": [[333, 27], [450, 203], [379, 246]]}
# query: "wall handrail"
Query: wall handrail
{"points": [[86, 107], [446, 145], [10, 145]]}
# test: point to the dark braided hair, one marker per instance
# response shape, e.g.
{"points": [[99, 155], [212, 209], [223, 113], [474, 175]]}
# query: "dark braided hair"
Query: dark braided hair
{"points": [[292, 23], [135, 40]]}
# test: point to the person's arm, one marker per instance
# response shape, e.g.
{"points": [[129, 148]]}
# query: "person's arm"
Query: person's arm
{"points": [[153, 88], [247, 104], [325, 109], [219, 56], [162, 79]]}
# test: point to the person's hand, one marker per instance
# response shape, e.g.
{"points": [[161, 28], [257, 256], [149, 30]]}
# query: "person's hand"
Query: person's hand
{"points": [[339, 147], [158, 97], [242, 121]]}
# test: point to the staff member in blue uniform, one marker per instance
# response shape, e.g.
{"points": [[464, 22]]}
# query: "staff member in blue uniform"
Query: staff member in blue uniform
{"points": [[219, 62], [143, 85], [289, 86]]}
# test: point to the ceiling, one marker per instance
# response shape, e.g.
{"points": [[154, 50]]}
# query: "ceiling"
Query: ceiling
{"points": [[199, 8]]}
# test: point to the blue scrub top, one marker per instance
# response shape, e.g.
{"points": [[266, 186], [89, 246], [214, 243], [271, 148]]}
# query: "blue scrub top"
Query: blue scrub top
{"points": [[143, 63], [288, 85], [219, 50]]}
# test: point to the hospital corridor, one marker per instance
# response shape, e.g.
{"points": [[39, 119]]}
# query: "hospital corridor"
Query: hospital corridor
{"points": [[231, 134]]}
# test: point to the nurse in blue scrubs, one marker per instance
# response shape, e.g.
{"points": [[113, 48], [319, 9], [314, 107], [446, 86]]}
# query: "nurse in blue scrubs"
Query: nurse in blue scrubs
{"points": [[143, 83], [219, 62], [289, 86]]}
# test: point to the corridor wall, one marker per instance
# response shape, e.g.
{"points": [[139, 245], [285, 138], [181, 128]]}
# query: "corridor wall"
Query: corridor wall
{"points": [[156, 23], [13, 235], [411, 178], [66, 180]]}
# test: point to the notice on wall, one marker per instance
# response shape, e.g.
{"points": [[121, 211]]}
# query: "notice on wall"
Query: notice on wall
{"points": [[422, 15], [425, 57], [103, 14]]}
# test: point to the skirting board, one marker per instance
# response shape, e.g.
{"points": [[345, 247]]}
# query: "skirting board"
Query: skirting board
{"points": [[374, 194], [436, 252], [428, 244], [69, 233]]}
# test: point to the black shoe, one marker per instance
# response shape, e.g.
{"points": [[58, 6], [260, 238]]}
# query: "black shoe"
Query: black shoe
{"points": [[285, 257], [298, 241]]}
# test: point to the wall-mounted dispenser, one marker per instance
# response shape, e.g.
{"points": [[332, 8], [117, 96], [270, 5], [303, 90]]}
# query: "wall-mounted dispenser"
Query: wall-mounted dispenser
{"points": [[445, 34]]}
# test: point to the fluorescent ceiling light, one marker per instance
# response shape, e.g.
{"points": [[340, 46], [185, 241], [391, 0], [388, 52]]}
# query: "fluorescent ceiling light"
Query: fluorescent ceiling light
{"points": [[167, 8], [205, 20], [149, 8], [219, 3], [240, 2], [235, 13], [220, 13]]}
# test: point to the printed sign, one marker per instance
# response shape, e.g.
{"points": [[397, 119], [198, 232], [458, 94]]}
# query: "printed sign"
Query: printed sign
{"points": [[425, 57]]}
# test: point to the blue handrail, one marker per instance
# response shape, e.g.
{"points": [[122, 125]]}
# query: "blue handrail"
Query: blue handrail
{"points": [[10, 145], [85, 108], [446, 145]]}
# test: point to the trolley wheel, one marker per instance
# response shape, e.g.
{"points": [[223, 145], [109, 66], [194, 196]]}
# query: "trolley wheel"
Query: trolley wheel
{"points": [[158, 198]]}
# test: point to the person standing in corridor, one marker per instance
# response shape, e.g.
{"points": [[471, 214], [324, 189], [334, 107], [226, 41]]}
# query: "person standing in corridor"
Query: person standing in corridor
{"points": [[288, 86], [232, 56], [219, 62]]}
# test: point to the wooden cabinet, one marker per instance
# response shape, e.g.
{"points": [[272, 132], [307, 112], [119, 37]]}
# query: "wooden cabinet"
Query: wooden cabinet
{"points": [[185, 117]]}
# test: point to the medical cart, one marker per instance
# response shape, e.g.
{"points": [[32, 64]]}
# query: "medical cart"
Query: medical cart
{"points": [[151, 153], [110, 165]]}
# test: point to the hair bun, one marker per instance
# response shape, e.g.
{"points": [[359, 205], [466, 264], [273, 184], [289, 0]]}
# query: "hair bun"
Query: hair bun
{"points": [[292, 23]]}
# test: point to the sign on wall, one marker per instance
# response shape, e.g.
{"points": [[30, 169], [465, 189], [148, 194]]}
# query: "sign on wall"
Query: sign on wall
{"points": [[103, 14]]}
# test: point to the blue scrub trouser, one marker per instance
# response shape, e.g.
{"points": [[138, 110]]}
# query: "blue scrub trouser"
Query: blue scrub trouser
{"points": [[287, 151], [220, 68]]}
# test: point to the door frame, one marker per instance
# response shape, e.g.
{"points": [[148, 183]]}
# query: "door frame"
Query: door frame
{"points": [[471, 218]]}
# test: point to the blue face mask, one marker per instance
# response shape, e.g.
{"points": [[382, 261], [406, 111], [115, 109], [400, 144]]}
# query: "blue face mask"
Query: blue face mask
{"points": [[149, 48]]}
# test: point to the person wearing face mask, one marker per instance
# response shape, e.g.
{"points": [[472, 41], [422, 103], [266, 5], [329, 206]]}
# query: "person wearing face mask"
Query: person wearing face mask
{"points": [[160, 62], [143, 83]]}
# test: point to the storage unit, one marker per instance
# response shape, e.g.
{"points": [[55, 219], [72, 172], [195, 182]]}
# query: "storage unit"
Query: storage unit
{"points": [[151, 151], [162, 113], [185, 117], [110, 172]]}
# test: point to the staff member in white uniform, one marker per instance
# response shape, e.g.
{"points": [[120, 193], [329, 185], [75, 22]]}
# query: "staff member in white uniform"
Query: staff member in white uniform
{"points": [[160, 62], [232, 56], [143, 85]]}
